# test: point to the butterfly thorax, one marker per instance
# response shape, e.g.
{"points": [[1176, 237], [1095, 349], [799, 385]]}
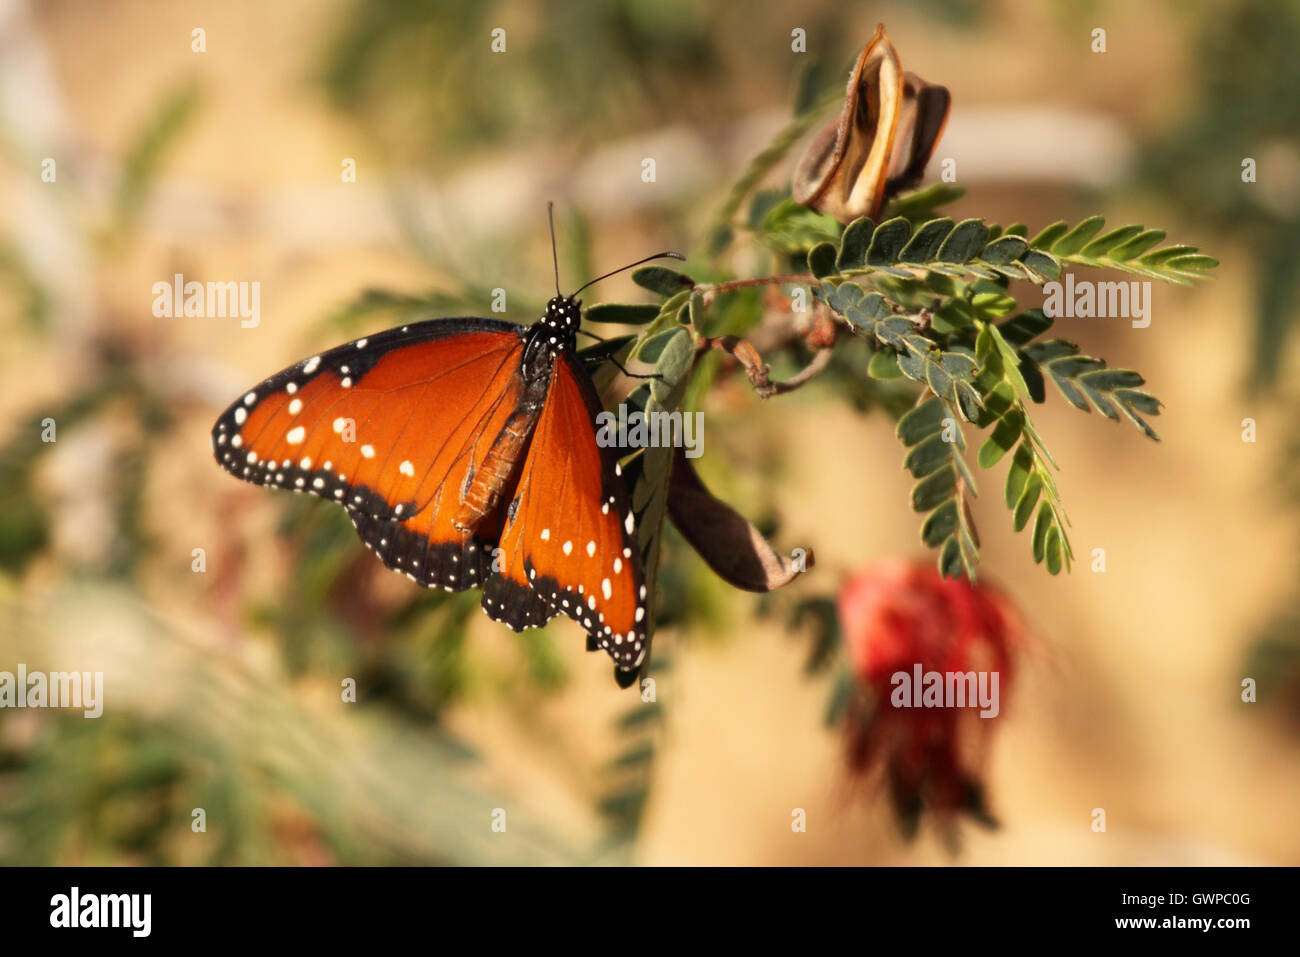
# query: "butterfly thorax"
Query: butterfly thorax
{"points": [[556, 331]]}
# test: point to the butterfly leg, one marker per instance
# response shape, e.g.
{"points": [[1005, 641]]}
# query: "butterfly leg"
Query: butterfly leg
{"points": [[595, 361]]}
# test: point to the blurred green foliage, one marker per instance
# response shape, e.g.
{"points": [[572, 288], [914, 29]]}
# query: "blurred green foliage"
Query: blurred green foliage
{"points": [[1242, 81]]}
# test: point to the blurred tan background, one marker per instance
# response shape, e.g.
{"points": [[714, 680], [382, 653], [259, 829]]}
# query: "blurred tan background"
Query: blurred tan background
{"points": [[217, 696]]}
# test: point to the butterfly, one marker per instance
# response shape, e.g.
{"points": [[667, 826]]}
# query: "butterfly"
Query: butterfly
{"points": [[465, 451]]}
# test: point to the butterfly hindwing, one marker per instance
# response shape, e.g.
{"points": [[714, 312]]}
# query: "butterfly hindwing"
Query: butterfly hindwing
{"points": [[391, 427], [569, 545]]}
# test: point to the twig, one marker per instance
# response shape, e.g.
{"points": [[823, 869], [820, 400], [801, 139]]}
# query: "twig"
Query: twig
{"points": [[820, 360], [757, 371], [711, 290]]}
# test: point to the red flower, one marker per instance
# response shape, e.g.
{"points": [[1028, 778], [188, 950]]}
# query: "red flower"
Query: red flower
{"points": [[932, 663]]}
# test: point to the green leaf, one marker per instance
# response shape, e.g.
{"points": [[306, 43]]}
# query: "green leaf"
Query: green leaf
{"points": [[1108, 380], [1041, 526], [940, 382], [968, 401], [924, 246], [893, 331], [952, 315], [652, 348], [622, 313], [1138, 245], [964, 242], [1050, 235], [958, 365], [1010, 361], [1002, 440], [674, 361], [855, 243], [1192, 262], [1086, 382], [990, 306], [940, 524], [1022, 464], [1020, 329], [1139, 400], [695, 310], [928, 455], [870, 312], [921, 203], [1028, 499], [950, 559], [944, 482], [1053, 550], [662, 280], [843, 297], [1103, 244], [1161, 256], [1042, 264], [1127, 248], [1078, 237], [888, 241], [821, 260], [922, 421], [1005, 250], [884, 365], [933, 489]]}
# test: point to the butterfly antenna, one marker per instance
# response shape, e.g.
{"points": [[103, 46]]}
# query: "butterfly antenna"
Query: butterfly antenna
{"points": [[664, 255], [555, 256]]}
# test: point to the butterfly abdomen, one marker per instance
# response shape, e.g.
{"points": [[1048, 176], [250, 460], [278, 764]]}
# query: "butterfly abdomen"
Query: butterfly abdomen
{"points": [[485, 485]]}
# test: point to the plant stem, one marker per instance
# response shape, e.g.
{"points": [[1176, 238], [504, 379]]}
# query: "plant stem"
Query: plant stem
{"points": [[711, 290]]}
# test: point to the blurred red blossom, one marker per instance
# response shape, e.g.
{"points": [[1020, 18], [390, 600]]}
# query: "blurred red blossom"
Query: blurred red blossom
{"points": [[927, 653]]}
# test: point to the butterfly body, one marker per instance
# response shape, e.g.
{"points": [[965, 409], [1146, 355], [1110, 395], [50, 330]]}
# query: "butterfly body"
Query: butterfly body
{"points": [[465, 452], [544, 342]]}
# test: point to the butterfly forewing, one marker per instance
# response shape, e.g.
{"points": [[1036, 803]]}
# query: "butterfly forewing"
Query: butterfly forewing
{"points": [[391, 427], [568, 545]]}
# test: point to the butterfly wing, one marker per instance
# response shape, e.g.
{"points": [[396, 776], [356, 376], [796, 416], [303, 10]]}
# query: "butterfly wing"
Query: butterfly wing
{"points": [[392, 427], [568, 545]]}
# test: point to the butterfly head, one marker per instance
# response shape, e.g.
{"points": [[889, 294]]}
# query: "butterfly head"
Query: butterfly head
{"points": [[562, 317]]}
